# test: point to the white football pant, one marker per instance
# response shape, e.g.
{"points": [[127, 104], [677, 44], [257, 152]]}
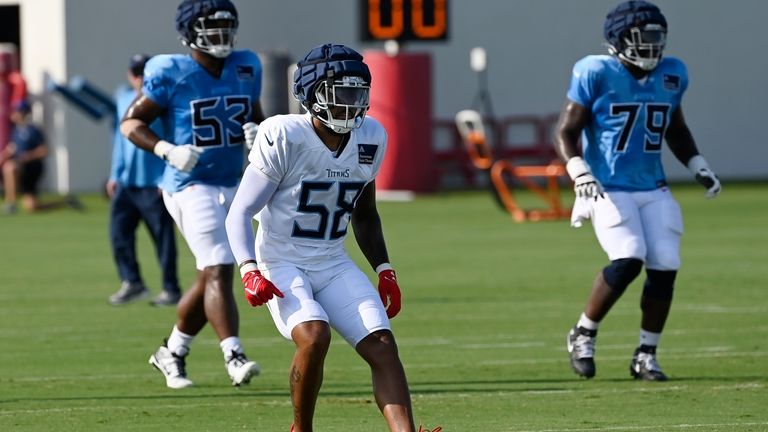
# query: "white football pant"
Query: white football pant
{"points": [[341, 295], [643, 225], [200, 212]]}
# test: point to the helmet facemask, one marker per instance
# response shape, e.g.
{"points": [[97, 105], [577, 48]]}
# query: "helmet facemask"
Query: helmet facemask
{"points": [[341, 104], [215, 34], [642, 46]]}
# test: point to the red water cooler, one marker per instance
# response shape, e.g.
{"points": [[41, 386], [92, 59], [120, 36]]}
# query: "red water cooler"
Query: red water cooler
{"points": [[401, 99]]}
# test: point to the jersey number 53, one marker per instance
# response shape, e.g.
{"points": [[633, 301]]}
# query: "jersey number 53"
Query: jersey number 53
{"points": [[218, 121]]}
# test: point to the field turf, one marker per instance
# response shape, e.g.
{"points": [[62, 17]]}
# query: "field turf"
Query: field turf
{"points": [[486, 307]]}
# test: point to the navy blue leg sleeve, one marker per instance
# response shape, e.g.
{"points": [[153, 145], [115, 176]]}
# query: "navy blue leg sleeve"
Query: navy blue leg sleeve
{"points": [[660, 284], [621, 272]]}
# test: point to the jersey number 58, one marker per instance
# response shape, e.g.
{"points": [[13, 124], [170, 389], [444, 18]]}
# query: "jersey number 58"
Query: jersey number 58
{"points": [[348, 193]]}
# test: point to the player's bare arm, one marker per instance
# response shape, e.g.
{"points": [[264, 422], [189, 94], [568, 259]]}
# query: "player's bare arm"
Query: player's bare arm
{"points": [[679, 138], [258, 113], [134, 125], [366, 224], [680, 141], [573, 119], [370, 237]]}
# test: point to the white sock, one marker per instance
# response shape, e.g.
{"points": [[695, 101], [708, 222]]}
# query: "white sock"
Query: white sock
{"points": [[587, 323], [230, 344], [648, 338], [179, 342]]}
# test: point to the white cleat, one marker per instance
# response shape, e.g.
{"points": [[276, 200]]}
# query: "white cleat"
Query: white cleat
{"points": [[240, 369], [171, 366]]}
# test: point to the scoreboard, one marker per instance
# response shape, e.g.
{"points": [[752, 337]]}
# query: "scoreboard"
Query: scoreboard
{"points": [[404, 20]]}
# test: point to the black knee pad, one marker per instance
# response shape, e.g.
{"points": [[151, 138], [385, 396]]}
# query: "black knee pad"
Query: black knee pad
{"points": [[621, 272], [660, 284]]}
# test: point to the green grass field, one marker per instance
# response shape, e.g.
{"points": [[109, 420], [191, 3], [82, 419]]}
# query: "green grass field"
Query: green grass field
{"points": [[487, 304]]}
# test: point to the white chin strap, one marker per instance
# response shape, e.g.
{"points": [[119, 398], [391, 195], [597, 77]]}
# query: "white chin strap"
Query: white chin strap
{"points": [[339, 129], [646, 64], [341, 126], [218, 51]]}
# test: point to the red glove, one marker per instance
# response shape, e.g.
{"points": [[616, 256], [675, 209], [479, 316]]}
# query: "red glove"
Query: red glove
{"points": [[388, 289], [258, 289]]}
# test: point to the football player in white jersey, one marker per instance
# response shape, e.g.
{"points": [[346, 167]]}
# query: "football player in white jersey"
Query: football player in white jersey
{"points": [[205, 100], [622, 105], [309, 176]]}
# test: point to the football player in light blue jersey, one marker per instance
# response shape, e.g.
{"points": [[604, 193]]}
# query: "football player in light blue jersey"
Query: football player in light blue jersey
{"points": [[623, 106], [208, 102], [309, 177], [207, 111]]}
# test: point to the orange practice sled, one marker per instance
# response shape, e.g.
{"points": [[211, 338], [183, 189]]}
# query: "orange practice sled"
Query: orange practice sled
{"points": [[472, 130]]}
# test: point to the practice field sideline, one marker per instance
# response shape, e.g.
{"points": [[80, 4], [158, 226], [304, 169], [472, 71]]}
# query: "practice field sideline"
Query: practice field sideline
{"points": [[486, 307]]}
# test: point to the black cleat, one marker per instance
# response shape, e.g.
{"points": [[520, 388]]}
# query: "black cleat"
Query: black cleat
{"points": [[581, 347], [644, 365]]}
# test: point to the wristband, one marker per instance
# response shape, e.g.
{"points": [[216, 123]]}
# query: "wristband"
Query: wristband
{"points": [[162, 148], [697, 163], [383, 266], [247, 266], [576, 167]]}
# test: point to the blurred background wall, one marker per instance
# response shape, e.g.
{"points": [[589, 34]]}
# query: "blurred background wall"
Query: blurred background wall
{"points": [[530, 44]]}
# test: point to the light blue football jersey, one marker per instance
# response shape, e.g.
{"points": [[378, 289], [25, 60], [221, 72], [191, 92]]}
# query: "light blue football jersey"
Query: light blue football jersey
{"points": [[622, 142], [205, 111]]}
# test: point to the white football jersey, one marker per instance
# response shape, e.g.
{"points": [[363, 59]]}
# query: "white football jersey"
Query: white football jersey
{"points": [[305, 222]]}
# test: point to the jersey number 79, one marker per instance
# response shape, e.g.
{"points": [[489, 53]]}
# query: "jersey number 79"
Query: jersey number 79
{"points": [[656, 122]]}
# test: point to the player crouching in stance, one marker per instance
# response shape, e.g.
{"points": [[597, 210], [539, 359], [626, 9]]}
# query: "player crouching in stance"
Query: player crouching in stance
{"points": [[623, 105], [204, 99], [309, 176]]}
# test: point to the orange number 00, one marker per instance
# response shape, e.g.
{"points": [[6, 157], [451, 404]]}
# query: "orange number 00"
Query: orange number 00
{"points": [[394, 30]]}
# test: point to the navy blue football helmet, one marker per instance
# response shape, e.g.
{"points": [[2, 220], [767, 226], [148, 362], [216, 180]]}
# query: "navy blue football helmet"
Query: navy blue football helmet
{"points": [[333, 83], [209, 26], [636, 32]]}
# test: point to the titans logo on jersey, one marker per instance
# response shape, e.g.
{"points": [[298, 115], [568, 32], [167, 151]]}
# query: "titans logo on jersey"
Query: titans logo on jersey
{"points": [[622, 143], [205, 111], [306, 220]]}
